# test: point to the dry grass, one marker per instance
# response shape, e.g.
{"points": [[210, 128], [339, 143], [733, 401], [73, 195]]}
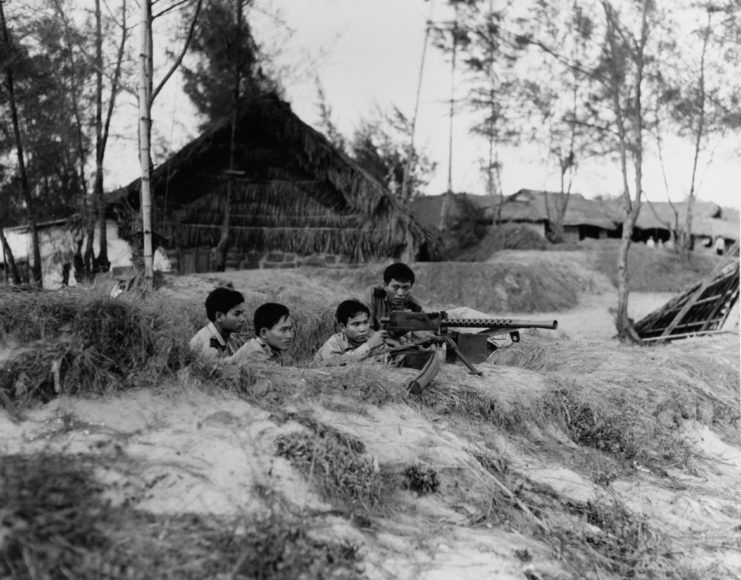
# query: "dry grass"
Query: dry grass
{"points": [[503, 237], [337, 462], [619, 405], [56, 524], [487, 287], [652, 270], [629, 401]]}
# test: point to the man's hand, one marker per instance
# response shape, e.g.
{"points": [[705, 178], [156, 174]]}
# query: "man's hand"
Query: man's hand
{"points": [[378, 339]]}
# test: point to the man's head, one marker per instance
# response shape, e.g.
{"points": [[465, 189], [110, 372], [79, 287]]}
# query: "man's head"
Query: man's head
{"points": [[398, 280], [274, 326], [354, 319], [225, 308]]}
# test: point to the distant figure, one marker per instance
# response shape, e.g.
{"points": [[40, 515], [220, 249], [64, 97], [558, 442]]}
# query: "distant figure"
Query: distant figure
{"points": [[669, 244], [160, 260], [660, 244], [274, 329], [720, 245], [650, 243], [225, 310]]}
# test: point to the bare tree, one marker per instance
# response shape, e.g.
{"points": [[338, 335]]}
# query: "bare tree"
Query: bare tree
{"points": [[147, 95], [25, 189], [625, 60]]}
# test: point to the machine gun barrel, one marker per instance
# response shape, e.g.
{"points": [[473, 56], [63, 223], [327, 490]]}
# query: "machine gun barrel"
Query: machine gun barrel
{"points": [[502, 323], [405, 321]]}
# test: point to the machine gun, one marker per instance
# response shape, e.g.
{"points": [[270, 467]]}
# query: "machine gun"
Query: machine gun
{"points": [[435, 327]]}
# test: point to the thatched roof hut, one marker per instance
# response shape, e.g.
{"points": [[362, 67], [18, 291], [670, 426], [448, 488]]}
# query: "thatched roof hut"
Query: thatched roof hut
{"points": [[426, 208], [290, 190], [529, 205], [708, 219]]}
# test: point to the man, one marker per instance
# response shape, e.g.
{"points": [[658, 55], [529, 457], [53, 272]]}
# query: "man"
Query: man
{"points": [[356, 341], [274, 329], [225, 311], [395, 294]]}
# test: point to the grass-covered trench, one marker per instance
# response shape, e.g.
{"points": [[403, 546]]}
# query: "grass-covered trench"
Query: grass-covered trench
{"points": [[460, 475]]}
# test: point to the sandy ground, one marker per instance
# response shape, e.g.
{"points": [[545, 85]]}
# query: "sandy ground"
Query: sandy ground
{"points": [[182, 450]]}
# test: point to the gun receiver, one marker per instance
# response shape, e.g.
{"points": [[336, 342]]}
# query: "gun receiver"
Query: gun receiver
{"points": [[461, 345], [407, 321]]}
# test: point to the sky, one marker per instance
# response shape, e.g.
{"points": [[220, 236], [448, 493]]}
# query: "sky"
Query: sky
{"points": [[368, 54]]}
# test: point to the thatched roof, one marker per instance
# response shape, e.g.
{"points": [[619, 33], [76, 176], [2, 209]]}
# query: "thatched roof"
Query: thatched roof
{"points": [[528, 205], [426, 208], [708, 219], [291, 190]]}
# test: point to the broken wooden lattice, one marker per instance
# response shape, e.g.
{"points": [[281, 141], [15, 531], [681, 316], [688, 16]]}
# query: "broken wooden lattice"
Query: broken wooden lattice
{"points": [[699, 310]]}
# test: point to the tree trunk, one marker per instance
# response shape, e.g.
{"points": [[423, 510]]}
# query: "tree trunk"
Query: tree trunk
{"points": [[8, 259], [25, 188], [101, 263], [145, 126], [687, 242], [222, 247], [623, 323]]}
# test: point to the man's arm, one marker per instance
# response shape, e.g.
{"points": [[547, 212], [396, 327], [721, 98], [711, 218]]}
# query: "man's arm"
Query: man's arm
{"points": [[333, 351], [250, 351]]}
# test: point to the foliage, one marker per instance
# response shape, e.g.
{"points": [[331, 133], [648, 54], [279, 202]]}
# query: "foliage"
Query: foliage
{"points": [[477, 40], [42, 74], [421, 478], [226, 56], [381, 146], [80, 342]]}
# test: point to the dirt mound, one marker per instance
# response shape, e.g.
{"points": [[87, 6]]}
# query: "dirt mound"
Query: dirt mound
{"points": [[503, 237], [570, 456]]}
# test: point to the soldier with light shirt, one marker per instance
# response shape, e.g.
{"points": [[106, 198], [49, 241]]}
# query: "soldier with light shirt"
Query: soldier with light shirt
{"points": [[225, 310], [274, 329], [356, 341]]}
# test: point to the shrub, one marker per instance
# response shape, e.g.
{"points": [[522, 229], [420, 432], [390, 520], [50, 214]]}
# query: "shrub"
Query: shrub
{"points": [[337, 462]]}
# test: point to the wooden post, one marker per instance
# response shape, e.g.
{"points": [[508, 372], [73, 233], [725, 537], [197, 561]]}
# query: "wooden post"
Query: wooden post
{"points": [[145, 124]]}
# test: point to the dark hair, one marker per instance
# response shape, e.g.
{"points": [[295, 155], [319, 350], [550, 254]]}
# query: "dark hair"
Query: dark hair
{"points": [[398, 271], [350, 308], [268, 315], [222, 299]]}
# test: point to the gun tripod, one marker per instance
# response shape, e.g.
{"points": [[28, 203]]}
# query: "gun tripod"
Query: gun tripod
{"points": [[432, 364]]}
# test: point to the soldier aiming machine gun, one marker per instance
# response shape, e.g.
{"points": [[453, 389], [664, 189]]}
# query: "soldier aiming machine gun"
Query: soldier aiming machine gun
{"points": [[468, 347]]}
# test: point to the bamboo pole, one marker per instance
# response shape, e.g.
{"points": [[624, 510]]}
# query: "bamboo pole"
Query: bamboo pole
{"points": [[145, 124]]}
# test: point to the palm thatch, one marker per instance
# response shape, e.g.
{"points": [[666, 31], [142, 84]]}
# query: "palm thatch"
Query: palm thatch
{"points": [[290, 190], [528, 205], [708, 219]]}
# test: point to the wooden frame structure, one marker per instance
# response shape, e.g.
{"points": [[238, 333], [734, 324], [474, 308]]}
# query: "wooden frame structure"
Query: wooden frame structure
{"points": [[700, 310]]}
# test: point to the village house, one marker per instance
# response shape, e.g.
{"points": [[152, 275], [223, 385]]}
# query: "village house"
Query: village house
{"points": [[584, 218], [290, 199], [59, 241], [534, 210], [293, 199], [657, 220]]}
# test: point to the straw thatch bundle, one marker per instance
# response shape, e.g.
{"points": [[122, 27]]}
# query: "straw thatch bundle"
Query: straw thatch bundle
{"points": [[290, 189]]}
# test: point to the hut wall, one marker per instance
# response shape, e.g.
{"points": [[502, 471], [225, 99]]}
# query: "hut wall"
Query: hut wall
{"points": [[571, 234], [193, 260], [537, 227]]}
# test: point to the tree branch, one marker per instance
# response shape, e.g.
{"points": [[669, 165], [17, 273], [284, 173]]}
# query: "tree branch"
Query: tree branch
{"points": [[179, 60]]}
